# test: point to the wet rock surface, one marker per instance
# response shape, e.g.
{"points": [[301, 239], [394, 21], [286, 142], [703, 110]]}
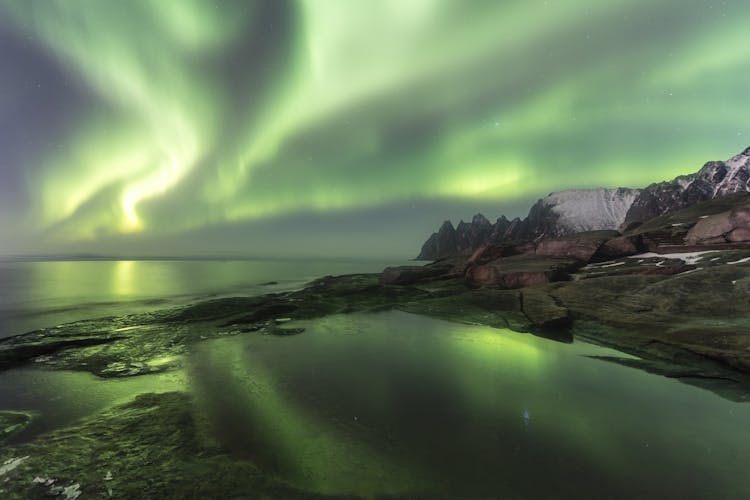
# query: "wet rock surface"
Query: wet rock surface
{"points": [[12, 422], [104, 457], [543, 311], [408, 275]]}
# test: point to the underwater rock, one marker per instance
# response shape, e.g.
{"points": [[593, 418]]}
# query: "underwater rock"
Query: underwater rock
{"points": [[12, 422], [283, 332], [153, 444], [543, 311]]}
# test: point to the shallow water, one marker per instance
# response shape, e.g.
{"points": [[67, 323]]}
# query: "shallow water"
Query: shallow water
{"points": [[42, 294], [401, 404], [58, 399]]}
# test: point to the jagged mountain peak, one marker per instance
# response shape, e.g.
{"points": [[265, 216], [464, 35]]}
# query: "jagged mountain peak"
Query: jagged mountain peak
{"points": [[480, 220], [447, 225], [715, 178]]}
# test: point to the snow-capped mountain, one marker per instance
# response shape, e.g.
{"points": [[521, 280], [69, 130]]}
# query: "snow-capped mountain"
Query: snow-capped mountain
{"points": [[576, 210], [716, 178]]}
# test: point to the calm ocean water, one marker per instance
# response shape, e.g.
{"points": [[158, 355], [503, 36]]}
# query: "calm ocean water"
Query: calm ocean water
{"points": [[41, 294]]}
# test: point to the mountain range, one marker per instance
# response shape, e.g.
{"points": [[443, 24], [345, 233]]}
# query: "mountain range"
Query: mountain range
{"points": [[567, 212]]}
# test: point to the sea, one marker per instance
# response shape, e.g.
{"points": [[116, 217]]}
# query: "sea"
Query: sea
{"points": [[39, 294]]}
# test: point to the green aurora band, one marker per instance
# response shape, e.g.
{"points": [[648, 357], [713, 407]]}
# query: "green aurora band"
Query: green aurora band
{"points": [[201, 113]]}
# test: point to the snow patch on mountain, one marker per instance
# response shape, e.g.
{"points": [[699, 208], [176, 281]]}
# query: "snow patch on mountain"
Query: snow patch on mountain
{"points": [[591, 209], [685, 181], [736, 178]]}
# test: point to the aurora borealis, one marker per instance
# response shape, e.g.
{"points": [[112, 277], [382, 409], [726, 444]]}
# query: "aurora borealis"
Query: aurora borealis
{"points": [[345, 127]]}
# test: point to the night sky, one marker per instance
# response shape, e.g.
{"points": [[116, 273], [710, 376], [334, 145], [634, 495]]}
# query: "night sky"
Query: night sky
{"points": [[345, 127]]}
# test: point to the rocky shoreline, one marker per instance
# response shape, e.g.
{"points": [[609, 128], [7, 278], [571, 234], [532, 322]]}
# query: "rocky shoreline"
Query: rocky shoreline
{"points": [[617, 289], [683, 314]]}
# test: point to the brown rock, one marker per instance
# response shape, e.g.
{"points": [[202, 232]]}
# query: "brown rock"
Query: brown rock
{"points": [[407, 275], [580, 246], [671, 236], [521, 271], [739, 235], [542, 310], [713, 229], [667, 270], [717, 240], [488, 253], [710, 228], [622, 246], [740, 216]]}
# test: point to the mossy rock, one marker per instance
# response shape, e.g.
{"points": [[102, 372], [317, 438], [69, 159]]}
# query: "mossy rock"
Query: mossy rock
{"points": [[12, 422], [151, 447]]}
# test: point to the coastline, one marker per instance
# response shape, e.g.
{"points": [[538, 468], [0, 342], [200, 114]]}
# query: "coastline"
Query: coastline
{"points": [[602, 304], [160, 428]]}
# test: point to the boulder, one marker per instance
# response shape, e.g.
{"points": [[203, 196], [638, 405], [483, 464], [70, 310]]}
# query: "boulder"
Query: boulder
{"points": [[739, 235], [521, 271], [408, 275], [655, 239], [542, 310], [622, 246], [580, 246], [12, 422], [716, 240], [741, 216], [718, 228], [488, 253], [710, 229]]}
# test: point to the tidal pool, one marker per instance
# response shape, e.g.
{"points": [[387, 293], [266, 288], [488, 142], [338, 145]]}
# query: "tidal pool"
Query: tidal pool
{"points": [[56, 399], [391, 403]]}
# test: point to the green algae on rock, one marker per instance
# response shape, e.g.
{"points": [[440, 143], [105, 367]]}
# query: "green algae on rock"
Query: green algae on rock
{"points": [[105, 456], [12, 422]]}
